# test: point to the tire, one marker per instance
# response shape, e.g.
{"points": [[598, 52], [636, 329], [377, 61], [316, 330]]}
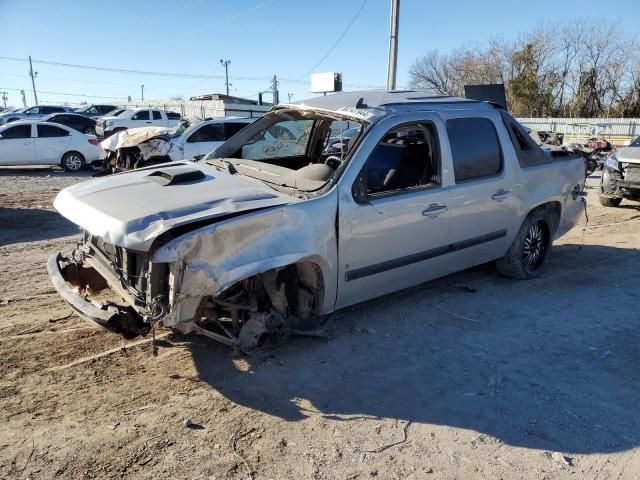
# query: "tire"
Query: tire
{"points": [[73, 162], [609, 192], [610, 201], [528, 252]]}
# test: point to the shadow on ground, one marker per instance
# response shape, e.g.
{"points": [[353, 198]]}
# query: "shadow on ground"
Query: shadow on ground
{"points": [[32, 224], [552, 363]]}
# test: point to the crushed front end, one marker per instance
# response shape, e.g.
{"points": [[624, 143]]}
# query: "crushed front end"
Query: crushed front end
{"points": [[111, 287]]}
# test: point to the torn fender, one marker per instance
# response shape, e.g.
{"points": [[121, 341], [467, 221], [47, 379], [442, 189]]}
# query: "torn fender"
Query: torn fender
{"points": [[209, 260]]}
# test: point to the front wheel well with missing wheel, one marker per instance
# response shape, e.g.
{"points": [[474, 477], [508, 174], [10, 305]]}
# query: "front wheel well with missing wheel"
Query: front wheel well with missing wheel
{"points": [[266, 307]]}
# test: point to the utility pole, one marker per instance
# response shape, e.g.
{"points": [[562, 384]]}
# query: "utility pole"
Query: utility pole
{"points": [[4, 98], [33, 80], [24, 99], [393, 45], [142, 90], [225, 64], [289, 95], [274, 90]]}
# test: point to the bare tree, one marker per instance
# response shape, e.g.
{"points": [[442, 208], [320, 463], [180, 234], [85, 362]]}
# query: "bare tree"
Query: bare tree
{"points": [[579, 68]]}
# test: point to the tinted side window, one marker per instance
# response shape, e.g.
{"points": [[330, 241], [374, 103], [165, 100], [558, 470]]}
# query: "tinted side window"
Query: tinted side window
{"points": [[230, 129], [173, 115], [51, 109], [475, 148], [142, 115], [213, 132], [19, 131], [48, 131], [527, 150], [406, 157], [157, 115]]}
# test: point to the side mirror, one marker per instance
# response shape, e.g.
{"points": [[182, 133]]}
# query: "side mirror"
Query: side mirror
{"points": [[359, 188]]}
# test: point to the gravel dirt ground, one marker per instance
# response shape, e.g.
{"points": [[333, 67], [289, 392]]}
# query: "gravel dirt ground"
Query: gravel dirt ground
{"points": [[470, 376]]}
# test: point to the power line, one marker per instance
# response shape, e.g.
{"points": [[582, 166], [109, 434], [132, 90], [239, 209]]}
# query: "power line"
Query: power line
{"points": [[135, 72], [235, 15], [355, 17], [66, 93]]}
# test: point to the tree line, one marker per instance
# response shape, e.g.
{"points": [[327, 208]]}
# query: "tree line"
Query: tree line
{"points": [[585, 68]]}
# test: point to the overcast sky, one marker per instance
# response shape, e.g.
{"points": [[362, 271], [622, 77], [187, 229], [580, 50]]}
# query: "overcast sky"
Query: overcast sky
{"points": [[287, 38]]}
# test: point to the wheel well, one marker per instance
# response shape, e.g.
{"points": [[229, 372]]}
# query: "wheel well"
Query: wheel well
{"points": [[296, 288], [68, 152], [554, 211]]}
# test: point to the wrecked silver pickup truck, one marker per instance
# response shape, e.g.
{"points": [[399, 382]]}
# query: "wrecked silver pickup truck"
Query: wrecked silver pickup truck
{"points": [[270, 233]]}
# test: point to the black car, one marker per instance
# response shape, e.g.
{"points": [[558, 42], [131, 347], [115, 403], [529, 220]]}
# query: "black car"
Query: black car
{"points": [[73, 120], [95, 110]]}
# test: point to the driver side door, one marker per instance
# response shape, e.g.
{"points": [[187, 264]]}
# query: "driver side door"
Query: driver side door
{"points": [[394, 221], [17, 145]]}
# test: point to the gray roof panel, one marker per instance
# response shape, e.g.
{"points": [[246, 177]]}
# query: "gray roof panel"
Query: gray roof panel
{"points": [[384, 102]]}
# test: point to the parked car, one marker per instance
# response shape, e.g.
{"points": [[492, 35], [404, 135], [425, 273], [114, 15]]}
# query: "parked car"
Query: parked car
{"points": [[39, 143], [95, 110], [138, 117], [621, 175], [73, 120], [191, 139], [31, 113], [265, 236]]}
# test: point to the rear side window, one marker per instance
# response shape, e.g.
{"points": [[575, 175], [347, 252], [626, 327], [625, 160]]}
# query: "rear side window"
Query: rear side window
{"points": [[51, 109], [475, 148], [19, 131], [48, 131], [157, 115], [141, 115], [527, 150], [173, 115], [212, 132], [230, 129]]}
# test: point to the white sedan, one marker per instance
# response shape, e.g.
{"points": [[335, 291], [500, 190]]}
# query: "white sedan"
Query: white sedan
{"points": [[40, 143]]}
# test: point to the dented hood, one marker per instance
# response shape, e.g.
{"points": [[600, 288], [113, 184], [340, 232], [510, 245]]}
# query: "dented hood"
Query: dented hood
{"points": [[131, 209]]}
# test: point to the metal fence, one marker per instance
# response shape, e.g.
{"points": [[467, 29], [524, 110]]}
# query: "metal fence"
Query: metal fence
{"points": [[618, 131], [204, 109]]}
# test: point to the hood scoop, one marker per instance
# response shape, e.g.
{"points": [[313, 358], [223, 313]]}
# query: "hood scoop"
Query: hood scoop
{"points": [[176, 175]]}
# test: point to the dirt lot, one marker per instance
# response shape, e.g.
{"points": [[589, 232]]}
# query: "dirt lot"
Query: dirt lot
{"points": [[471, 376]]}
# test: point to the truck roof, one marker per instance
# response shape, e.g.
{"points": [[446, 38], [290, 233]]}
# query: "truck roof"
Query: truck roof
{"points": [[379, 103]]}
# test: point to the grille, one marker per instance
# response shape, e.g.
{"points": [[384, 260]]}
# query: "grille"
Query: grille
{"points": [[128, 265], [632, 173]]}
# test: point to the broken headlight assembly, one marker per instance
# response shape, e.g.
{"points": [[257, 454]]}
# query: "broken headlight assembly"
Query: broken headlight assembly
{"points": [[612, 163]]}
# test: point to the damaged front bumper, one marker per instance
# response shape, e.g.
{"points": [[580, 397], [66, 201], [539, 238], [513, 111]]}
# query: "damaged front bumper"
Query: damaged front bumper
{"points": [[78, 282], [98, 315]]}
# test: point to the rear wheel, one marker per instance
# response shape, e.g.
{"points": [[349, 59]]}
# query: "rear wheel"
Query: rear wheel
{"points": [[527, 255], [72, 161]]}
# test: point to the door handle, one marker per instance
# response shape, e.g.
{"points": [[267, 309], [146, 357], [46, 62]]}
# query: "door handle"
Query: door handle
{"points": [[434, 210], [149, 121], [500, 195]]}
